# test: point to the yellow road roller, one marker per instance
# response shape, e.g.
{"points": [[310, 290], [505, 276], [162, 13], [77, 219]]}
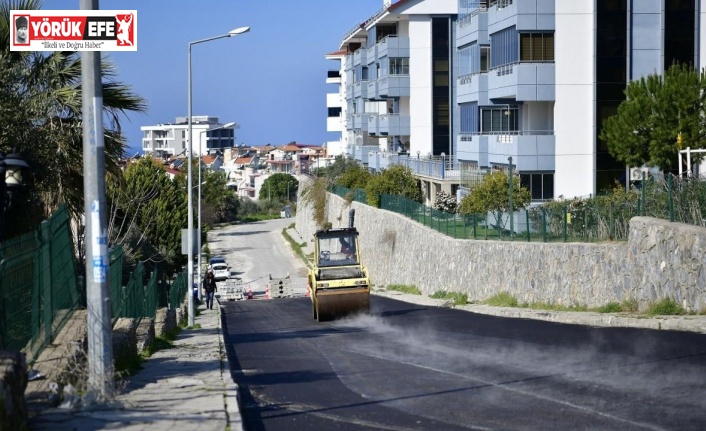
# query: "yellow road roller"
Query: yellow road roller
{"points": [[338, 283]]}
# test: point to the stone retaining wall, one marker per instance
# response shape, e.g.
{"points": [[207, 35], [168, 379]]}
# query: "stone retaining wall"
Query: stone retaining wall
{"points": [[660, 260]]}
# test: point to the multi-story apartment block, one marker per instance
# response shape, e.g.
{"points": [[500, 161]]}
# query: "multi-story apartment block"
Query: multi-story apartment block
{"points": [[335, 106], [466, 85], [170, 139]]}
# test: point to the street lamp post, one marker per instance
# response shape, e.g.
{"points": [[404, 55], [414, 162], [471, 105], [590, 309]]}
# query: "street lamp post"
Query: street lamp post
{"points": [[190, 227], [225, 126], [11, 166], [288, 183]]}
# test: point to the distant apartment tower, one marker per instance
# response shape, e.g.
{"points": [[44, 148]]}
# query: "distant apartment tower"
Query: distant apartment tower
{"points": [[335, 107], [163, 140], [485, 80]]}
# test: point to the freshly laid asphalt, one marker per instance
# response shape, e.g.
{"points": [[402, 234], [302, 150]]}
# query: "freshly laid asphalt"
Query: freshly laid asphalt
{"points": [[189, 386]]}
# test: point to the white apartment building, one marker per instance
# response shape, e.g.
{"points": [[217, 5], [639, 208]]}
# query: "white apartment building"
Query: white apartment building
{"points": [[169, 139], [465, 85]]}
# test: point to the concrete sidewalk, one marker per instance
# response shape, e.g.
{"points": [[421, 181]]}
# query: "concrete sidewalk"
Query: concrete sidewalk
{"points": [[186, 387]]}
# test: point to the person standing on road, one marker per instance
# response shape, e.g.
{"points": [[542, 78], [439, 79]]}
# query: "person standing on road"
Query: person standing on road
{"points": [[209, 287]]}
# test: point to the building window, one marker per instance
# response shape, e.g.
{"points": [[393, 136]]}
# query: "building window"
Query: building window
{"points": [[469, 117], [536, 47], [465, 59], [499, 119], [382, 31], [473, 59], [334, 112], [398, 66], [540, 185], [484, 55], [504, 47]]}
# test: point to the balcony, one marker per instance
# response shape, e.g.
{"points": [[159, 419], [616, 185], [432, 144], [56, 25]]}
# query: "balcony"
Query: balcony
{"points": [[392, 125], [473, 88], [436, 167], [393, 86], [334, 124], [360, 89], [503, 15], [360, 57], [360, 153], [522, 82], [349, 92], [350, 122], [530, 150], [372, 123], [333, 77], [377, 160], [371, 56], [360, 121], [393, 46], [373, 93], [348, 62], [473, 28]]}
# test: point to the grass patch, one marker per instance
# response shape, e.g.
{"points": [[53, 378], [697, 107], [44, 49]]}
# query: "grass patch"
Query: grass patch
{"points": [[125, 367], [554, 307], [296, 246], [665, 307], [612, 307], [457, 298], [259, 217], [502, 299], [404, 288]]}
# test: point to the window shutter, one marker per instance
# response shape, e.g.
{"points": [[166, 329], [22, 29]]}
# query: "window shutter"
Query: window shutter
{"points": [[549, 47], [525, 47]]}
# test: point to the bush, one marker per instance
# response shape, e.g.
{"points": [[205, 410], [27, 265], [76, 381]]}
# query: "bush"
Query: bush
{"points": [[665, 307], [502, 299]]}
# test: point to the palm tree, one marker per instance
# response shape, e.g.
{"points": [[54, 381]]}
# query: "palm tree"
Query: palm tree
{"points": [[40, 117]]}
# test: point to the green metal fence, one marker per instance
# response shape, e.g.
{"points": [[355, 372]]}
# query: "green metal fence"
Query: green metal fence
{"points": [[177, 291], [141, 296], [599, 218], [115, 274], [40, 287], [356, 195]]}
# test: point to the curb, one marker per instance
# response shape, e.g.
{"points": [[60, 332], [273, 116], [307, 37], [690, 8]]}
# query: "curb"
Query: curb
{"points": [[604, 320], [231, 397]]}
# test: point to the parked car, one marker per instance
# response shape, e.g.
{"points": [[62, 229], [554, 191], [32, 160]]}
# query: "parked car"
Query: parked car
{"points": [[215, 259], [221, 271]]}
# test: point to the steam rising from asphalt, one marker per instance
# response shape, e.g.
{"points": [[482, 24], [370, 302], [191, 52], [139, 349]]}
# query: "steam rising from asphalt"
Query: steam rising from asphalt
{"points": [[492, 367]]}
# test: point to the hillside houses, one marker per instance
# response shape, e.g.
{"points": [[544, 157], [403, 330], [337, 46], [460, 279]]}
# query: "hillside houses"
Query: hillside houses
{"points": [[247, 167]]}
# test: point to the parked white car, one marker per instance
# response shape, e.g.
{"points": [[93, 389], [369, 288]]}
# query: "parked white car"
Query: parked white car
{"points": [[215, 259], [221, 271]]}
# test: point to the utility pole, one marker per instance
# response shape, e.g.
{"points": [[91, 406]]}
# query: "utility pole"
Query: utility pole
{"points": [[100, 345]]}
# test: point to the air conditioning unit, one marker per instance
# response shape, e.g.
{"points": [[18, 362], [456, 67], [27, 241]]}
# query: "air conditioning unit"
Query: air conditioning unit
{"points": [[636, 173]]}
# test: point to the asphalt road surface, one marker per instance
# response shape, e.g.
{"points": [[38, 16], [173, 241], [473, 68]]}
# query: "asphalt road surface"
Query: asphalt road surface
{"points": [[413, 367]]}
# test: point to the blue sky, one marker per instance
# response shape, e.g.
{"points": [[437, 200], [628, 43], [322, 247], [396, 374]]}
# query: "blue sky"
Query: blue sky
{"points": [[271, 81]]}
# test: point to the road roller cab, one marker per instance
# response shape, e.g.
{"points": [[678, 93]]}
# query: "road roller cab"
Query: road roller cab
{"points": [[339, 284]]}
